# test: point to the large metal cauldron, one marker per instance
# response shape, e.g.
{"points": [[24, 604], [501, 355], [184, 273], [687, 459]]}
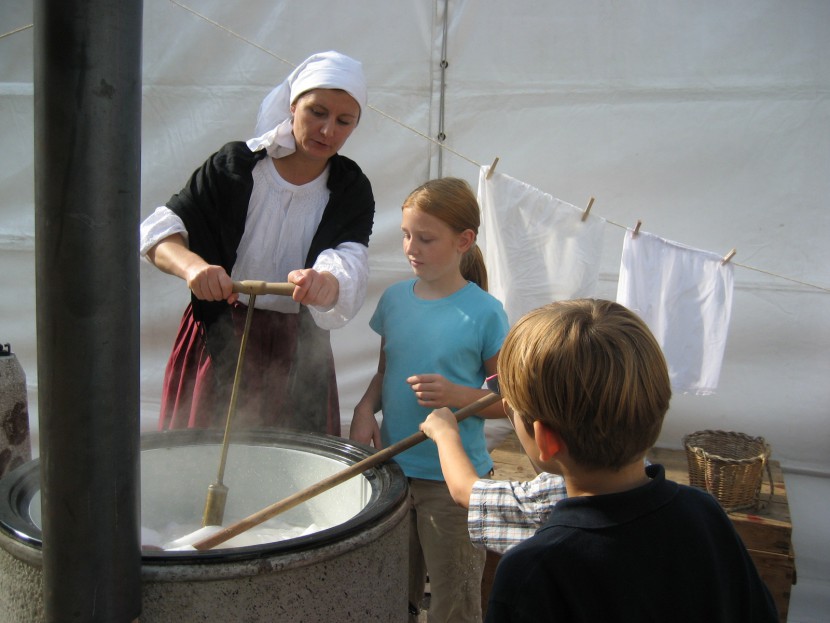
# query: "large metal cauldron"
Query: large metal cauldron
{"points": [[353, 568]]}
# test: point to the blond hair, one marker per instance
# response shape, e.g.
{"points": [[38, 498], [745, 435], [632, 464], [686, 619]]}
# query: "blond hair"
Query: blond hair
{"points": [[593, 372], [451, 200]]}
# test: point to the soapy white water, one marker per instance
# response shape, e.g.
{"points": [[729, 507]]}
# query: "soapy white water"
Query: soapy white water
{"points": [[180, 537]]}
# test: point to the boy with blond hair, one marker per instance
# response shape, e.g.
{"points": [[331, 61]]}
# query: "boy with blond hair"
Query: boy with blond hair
{"points": [[586, 387]]}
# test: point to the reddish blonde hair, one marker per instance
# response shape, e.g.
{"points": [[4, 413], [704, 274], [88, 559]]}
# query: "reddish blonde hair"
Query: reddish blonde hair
{"points": [[451, 200]]}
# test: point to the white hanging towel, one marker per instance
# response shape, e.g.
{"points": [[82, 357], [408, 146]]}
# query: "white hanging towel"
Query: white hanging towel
{"points": [[537, 248], [685, 297]]}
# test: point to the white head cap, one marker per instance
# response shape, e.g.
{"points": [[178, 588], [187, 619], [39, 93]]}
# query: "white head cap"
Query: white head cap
{"points": [[326, 70]]}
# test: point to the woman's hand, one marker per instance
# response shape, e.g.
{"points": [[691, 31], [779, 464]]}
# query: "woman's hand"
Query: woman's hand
{"points": [[210, 283], [313, 288], [365, 429]]}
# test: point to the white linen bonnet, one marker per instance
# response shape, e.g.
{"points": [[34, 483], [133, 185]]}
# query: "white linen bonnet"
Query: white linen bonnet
{"points": [[325, 70]]}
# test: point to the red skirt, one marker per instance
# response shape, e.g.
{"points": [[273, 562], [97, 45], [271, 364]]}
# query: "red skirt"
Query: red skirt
{"points": [[287, 380]]}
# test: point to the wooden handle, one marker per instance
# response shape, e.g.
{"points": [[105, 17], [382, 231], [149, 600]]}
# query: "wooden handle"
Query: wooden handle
{"points": [[263, 287], [332, 481]]}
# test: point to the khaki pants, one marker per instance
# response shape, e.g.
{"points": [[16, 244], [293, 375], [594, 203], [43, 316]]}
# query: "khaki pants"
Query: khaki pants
{"points": [[439, 545]]}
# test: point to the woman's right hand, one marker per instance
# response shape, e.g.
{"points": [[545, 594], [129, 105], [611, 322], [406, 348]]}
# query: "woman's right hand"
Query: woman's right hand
{"points": [[209, 282], [365, 429]]}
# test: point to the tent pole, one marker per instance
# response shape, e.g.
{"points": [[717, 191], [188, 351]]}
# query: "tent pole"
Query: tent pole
{"points": [[444, 64], [87, 88]]}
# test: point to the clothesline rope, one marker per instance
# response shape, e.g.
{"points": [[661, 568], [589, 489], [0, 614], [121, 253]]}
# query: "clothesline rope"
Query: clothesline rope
{"points": [[16, 30], [435, 142], [753, 268], [292, 65]]}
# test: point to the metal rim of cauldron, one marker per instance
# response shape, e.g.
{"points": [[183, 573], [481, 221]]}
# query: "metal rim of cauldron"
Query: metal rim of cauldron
{"points": [[389, 490]]}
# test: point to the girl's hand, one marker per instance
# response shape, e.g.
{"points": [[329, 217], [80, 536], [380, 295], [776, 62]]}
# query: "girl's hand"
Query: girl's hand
{"points": [[439, 422], [365, 429], [313, 288], [433, 390]]}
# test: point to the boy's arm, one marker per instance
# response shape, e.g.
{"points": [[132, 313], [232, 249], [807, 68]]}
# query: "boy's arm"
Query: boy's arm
{"points": [[504, 513], [442, 428]]}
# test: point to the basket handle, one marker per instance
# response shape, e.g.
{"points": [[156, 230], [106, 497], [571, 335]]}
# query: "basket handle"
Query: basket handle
{"points": [[769, 474]]}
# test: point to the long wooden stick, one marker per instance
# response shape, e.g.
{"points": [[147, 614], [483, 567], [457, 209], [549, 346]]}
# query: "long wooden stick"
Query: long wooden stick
{"points": [[332, 481], [217, 494], [250, 286], [217, 491]]}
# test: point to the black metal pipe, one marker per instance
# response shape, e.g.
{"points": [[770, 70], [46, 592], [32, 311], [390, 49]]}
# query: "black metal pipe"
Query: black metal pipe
{"points": [[87, 205]]}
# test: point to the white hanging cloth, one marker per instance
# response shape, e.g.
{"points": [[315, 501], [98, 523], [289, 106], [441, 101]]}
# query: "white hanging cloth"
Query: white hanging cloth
{"points": [[685, 297], [537, 248]]}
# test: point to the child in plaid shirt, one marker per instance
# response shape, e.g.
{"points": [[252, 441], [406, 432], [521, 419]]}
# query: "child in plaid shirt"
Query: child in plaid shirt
{"points": [[502, 513]]}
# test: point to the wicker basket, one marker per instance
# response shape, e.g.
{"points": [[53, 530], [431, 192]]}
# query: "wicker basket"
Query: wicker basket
{"points": [[728, 465]]}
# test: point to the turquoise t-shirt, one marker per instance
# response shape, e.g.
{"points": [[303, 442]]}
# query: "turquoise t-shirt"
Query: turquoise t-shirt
{"points": [[453, 337]]}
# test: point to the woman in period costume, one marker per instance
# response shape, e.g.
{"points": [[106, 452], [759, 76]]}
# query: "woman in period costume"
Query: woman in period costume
{"points": [[281, 207]]}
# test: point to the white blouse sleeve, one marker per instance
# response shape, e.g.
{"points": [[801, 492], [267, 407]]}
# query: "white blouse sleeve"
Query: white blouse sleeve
{"points": [[349, 263], [156, 227]]}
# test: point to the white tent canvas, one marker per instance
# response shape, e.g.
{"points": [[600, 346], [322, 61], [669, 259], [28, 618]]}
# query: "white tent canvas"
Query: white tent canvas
{"points": [[708, 122]]}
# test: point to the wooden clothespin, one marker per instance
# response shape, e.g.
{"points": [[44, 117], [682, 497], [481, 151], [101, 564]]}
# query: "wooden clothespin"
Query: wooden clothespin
{"points": [[636, 228], [588, 209], [492, 168], [728, 256]]}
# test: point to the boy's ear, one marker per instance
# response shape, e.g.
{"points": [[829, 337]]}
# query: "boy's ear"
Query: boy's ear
{"points": [[548, 441]]}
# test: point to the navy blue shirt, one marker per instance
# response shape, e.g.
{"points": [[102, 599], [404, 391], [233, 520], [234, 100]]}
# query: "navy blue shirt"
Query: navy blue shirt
{"points": [[660, 552]]}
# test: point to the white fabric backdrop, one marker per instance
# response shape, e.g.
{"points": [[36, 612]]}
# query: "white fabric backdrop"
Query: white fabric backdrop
{"points": [[708, 121]]}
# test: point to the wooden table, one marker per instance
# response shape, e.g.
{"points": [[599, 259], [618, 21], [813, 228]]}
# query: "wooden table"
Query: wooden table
{"points": [[766, 532]]}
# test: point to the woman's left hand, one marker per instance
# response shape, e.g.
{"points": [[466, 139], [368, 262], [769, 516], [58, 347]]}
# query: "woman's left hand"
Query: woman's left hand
{"points": [[313, 288]]}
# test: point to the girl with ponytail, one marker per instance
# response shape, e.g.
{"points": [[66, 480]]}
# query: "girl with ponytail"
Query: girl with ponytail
{"points": [[441, 333]]}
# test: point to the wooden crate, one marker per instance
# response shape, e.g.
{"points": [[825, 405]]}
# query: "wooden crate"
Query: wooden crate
{"points": [[767, 532]]}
